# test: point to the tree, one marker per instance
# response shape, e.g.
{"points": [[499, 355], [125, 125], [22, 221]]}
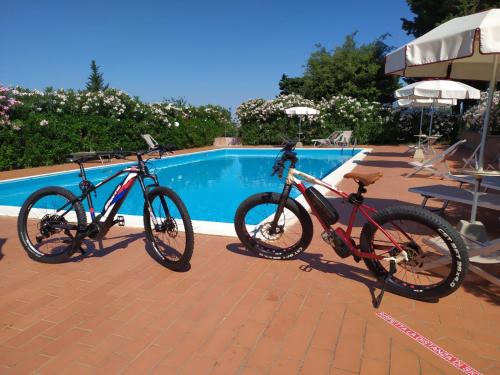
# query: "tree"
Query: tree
{"points": [[95, 81], [291, 85], [347, 70], [431, 13]]}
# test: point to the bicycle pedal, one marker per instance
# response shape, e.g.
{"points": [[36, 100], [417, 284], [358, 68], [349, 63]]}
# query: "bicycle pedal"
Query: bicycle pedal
{"points": [[120, 220]]}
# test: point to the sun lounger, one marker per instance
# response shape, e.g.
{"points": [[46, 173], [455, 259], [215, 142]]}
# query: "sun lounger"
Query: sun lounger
{"points": [[479, 253], [329, 141], [456, 194], [473, 162], [431, 165], [344, 139], [487, 182], [152, 143], [94, 155]]}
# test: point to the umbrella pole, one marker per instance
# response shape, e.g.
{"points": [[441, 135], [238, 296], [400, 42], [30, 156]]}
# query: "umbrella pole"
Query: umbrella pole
{"points": [[430, 124], [420, 131], [300, 122], [491, 92]]}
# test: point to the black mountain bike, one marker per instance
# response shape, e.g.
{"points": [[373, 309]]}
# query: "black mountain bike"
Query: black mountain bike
{"points": [[52, 223]]}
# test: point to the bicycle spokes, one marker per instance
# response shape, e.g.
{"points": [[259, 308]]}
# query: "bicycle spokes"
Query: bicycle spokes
{"points": [[51, 225], [419, 243]]}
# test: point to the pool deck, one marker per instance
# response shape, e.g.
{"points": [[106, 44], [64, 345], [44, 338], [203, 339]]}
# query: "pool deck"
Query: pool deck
{"points": [[118, 311]]}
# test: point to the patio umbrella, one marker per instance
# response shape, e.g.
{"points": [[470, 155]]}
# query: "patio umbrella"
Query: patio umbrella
{"points": [[301, 112], [462, 48], [423, 103], [438, 89]]}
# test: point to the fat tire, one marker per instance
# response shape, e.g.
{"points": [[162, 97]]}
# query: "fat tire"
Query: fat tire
{"points": [[23, 217], [460, 257], [291, 204], [183, 262]]}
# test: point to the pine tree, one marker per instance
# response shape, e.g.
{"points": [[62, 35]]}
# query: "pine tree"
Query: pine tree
{"points": [[95, 81]]}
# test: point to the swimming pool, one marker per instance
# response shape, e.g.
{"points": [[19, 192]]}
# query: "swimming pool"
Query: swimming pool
{"points": [[211, 183]]}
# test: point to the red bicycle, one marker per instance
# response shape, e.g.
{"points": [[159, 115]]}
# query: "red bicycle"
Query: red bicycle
{"points": [[414, 252]]}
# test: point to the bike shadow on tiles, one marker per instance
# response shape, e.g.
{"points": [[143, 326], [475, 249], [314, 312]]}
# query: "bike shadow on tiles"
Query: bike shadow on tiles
{"points": [[316, 261]]}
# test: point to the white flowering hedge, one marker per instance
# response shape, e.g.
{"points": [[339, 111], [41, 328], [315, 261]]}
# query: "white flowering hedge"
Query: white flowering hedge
{"points": [[43, 127], [474, 116], [264, 121]]}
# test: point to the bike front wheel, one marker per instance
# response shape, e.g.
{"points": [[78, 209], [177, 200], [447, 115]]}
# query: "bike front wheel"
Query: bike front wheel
{"points": [[253, 225], [437, 256], [48, 223], [169, 230]]}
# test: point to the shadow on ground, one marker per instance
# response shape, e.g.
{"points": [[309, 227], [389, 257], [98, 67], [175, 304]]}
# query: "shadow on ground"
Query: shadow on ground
{"points": [[317, 262], [389, 154], [90, 249], [382, 163], [2, 243], [239, 249]]}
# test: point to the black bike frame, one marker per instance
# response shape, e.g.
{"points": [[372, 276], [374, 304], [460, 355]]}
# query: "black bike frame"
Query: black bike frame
{"points": [[115, 200]]}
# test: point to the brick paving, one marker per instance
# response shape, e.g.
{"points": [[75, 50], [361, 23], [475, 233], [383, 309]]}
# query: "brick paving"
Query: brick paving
{"points": [[118, 311]]}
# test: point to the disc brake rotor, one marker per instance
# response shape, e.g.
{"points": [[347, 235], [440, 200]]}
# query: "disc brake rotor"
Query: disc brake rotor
{"points": [[415, 255], [265, 231], [169, 226]]}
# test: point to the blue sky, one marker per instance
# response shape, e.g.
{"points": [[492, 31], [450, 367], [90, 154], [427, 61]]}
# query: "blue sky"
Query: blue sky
{"points": [[219, 52]]}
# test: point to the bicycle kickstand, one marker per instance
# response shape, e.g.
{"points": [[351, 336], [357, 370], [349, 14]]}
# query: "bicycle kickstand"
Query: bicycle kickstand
{"points": [[392, 271]]}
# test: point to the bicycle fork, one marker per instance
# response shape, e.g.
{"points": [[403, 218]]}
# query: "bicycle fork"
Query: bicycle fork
{"points": [[281, 207]]}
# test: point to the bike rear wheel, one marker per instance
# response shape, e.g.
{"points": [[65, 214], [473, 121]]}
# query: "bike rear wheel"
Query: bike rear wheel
{"points": [[171, 238], [252, 223], [48, 222], [437, 256]]}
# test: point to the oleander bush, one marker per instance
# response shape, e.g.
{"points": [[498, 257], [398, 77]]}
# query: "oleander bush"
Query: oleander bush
{"points": [[265, 122], [43, 127], [474, 116]]}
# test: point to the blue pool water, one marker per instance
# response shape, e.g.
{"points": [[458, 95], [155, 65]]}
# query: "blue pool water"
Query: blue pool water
{"points": [[212, 184]]}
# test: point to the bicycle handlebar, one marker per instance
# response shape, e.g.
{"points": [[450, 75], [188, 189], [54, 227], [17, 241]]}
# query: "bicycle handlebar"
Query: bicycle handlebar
{"points": [[288, 155]]}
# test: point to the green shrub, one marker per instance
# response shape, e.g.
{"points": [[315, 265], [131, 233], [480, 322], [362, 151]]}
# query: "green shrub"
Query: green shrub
{"points": [[47, 126]]}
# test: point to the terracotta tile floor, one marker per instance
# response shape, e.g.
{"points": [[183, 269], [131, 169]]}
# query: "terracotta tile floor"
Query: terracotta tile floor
{"points": [[231, 313]]}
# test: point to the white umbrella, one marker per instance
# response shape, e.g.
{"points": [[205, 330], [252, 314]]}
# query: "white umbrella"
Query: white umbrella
{"points": [[423, 103], [438, 89], [301, 111], [462, 48]]}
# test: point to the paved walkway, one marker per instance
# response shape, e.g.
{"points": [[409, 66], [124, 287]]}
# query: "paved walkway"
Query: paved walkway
{"points": [[231, 313]]}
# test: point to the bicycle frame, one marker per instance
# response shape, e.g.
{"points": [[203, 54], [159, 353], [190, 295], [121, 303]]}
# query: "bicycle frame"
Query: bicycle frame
{"points": [[292, 180], [115, 200]]}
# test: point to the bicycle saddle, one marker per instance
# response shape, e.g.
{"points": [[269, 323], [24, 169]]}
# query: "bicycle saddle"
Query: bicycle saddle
{"points": [[364, 178]]}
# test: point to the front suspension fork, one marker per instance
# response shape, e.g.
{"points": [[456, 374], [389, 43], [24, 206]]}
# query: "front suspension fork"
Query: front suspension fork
{"points": [[281, 207]]}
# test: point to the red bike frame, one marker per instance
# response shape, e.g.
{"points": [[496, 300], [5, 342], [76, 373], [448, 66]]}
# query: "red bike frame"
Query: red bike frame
{"points": [[358, 207]]}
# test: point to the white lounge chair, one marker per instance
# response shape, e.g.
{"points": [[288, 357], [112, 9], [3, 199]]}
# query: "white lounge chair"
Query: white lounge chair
{"points": [[431, 165], [456, 194], [344, 139], [479, 252], [473, 161], [329, 141], [152, 143], [487, 182]]}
